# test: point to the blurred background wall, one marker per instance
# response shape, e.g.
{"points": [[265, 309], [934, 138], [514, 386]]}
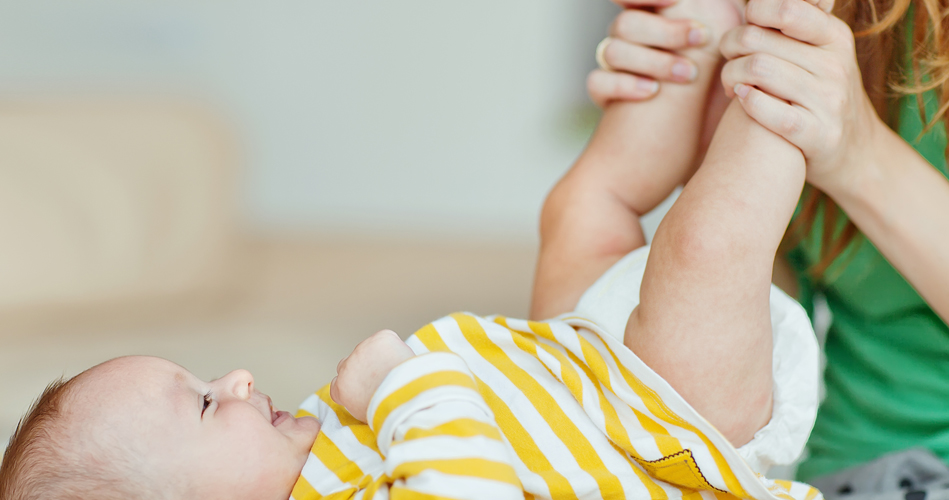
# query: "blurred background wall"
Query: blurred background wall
{"points": [[427, 117], [263, 184]]}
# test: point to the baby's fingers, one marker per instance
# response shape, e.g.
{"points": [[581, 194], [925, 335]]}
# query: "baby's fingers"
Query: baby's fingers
{"points": [[334, 392], [789, 121]]}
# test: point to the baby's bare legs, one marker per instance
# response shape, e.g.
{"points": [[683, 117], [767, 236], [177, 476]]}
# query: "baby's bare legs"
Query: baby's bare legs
{"points": [[704, 320], [639, 153], [591, 218]]}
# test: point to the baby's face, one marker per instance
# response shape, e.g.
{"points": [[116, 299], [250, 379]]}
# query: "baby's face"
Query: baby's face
{"points": [[218, 439]]}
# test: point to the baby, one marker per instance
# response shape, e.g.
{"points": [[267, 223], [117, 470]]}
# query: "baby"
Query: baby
{"points": [[679, 373]]}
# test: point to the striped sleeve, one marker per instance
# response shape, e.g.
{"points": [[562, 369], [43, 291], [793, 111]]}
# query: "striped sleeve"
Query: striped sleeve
{"points": [[437, 434]]}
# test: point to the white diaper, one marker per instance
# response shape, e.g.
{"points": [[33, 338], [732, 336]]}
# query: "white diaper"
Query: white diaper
{"points": [[610, 300]]}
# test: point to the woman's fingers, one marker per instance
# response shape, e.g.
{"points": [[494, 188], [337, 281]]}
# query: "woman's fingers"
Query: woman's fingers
{"points": [[776, 115], [824, 5], [605, 86], [747, 39], [795, 18], [639, 53], [644, 61], [772, 75], [633, 4], [646, 28]]}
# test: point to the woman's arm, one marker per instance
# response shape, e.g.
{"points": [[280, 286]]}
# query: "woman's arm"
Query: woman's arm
{"points": [[901, 203], [806, 60]]}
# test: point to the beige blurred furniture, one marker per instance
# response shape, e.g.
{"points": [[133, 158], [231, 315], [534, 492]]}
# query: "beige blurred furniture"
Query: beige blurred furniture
{"points": [[311, 300], [112, 203], [118, 236]]}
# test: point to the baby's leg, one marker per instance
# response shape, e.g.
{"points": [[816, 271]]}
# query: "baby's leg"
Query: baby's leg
{"points": [[638, 155], [704, 322]]}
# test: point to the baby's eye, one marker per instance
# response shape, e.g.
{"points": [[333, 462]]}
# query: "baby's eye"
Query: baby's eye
{"points": [[207, 403]]}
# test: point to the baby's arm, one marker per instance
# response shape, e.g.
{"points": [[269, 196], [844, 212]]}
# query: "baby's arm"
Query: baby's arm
{"points": [[436, 432], [704, 321], [438, 435]]}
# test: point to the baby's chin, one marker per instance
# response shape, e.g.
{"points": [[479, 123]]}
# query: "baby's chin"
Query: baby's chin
{"points": [[302, 431]]}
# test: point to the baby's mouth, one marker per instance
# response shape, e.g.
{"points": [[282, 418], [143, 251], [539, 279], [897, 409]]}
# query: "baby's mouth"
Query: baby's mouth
{"points": [[279, 417], [276, 416]]}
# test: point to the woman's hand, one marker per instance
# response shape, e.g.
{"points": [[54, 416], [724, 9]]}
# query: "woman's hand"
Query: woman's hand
{"points": [[795, 72], [640, 52], [645, 48], [362, 372]]}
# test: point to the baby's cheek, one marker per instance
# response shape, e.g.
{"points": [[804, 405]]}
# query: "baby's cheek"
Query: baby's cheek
{"points": [[262, 462]]}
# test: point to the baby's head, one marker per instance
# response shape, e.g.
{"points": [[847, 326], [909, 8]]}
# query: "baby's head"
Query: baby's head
{"points": [[143, 427]]}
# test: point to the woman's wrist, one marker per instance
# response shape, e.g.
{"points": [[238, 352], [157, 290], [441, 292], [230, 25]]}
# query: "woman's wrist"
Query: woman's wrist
{"points": [[897, 200], [858, 180], [880, 189]]}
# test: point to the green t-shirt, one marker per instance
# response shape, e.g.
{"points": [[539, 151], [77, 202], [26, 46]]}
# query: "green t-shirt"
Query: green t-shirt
{"points": [[887, 374]]}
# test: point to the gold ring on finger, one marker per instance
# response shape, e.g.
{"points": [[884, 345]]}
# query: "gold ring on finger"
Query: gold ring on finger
{"points": [[601, 54]]}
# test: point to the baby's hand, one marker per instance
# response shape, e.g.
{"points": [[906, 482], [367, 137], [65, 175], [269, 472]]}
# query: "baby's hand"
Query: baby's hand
{"points": [[362, 372]]}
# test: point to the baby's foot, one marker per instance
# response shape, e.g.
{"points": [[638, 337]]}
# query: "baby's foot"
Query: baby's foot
{"points": [[718, 16]]}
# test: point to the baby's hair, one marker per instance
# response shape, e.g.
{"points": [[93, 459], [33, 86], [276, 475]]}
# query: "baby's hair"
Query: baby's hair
{"points": [[41, 461], [26, 471]]}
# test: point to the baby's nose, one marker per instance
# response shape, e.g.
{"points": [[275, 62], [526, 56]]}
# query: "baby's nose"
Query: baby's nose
{"points": [[241, 383]]}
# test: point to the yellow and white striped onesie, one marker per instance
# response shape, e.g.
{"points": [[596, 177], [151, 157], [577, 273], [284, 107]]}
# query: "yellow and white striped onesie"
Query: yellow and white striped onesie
{"points": [[499, 408]]}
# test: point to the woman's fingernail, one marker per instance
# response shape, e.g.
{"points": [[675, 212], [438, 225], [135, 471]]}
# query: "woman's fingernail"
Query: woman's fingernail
{"points": [[698, 34], [684, 71], [742, 90], [648, 86]]}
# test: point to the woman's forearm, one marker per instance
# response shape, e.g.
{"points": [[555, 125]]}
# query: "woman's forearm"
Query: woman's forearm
{"points": [[901, 204]]}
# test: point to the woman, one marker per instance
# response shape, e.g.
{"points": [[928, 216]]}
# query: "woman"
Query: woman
{"points": [[872, 232]]}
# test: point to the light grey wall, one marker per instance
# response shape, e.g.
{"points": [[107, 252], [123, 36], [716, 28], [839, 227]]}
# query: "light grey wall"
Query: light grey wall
{"points": [[421, 117]]}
